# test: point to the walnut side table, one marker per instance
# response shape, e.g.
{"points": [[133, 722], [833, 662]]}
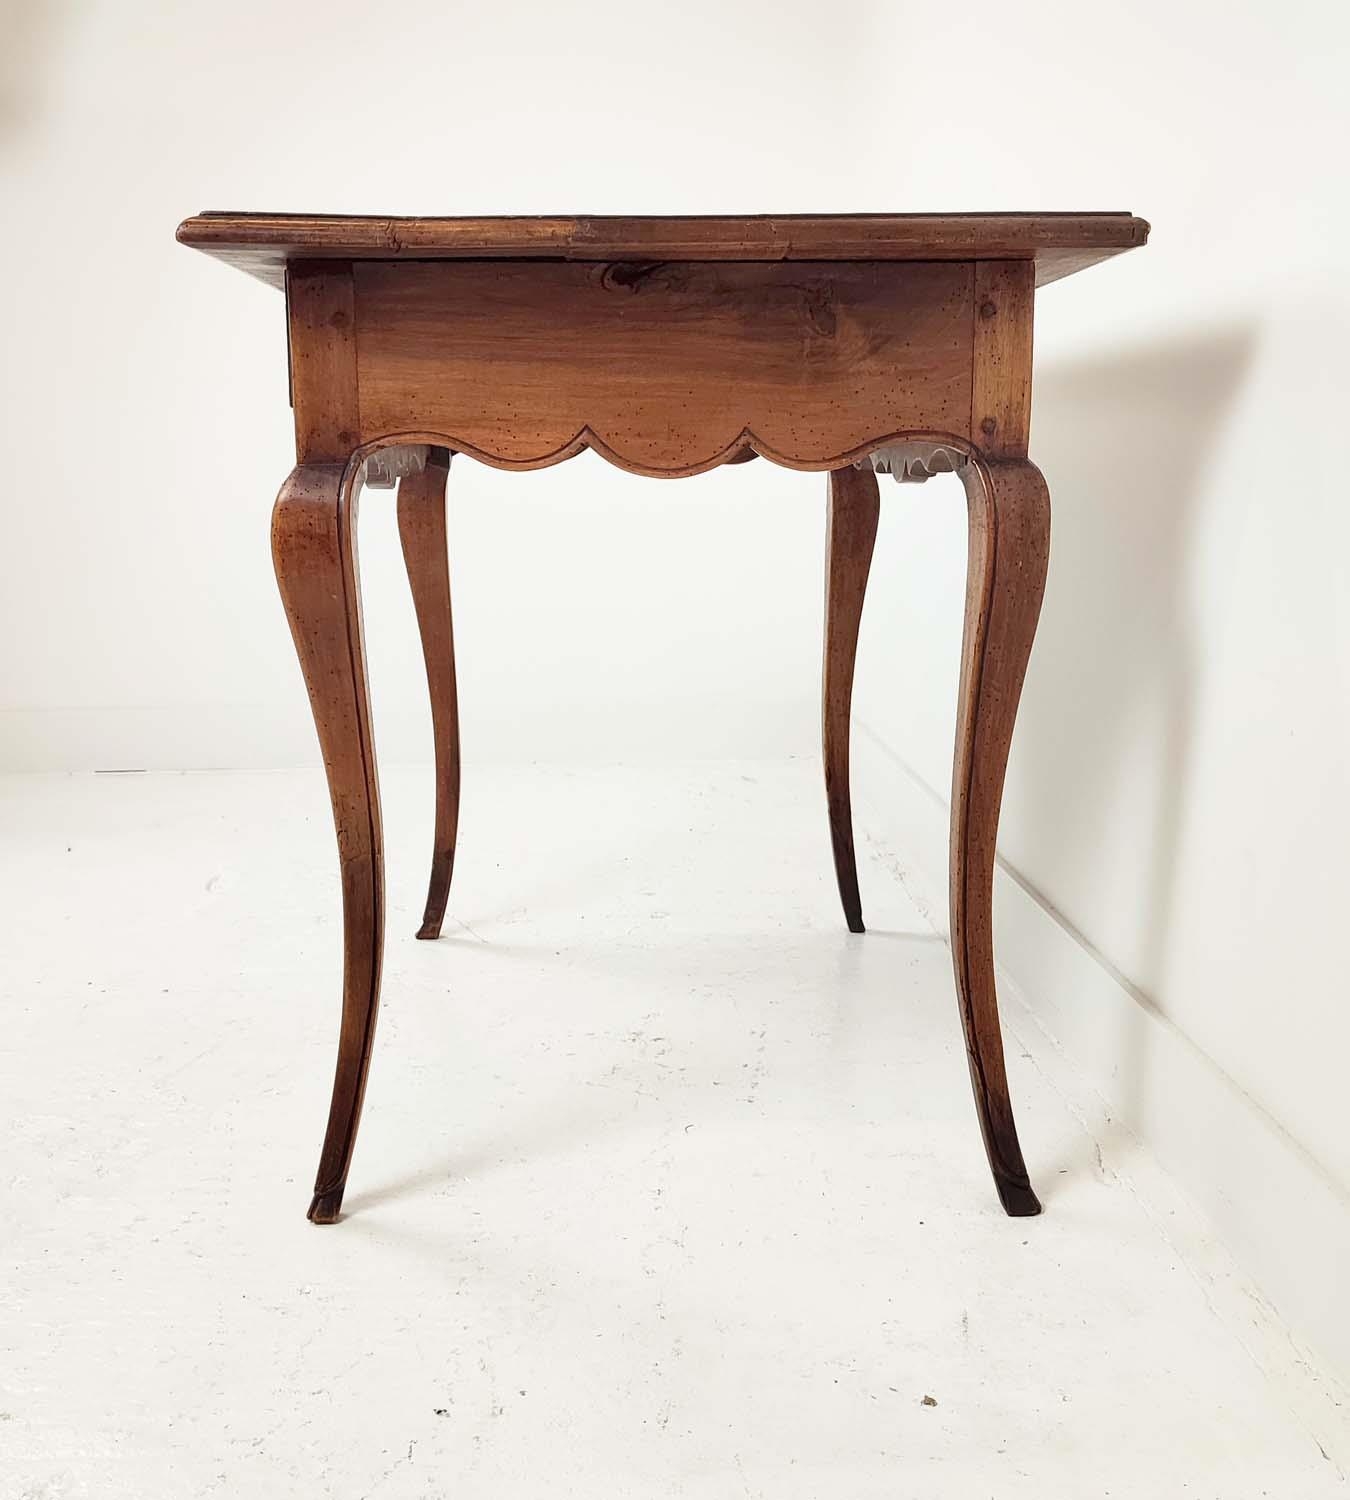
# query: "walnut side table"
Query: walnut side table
{"points": [[852, 344]]}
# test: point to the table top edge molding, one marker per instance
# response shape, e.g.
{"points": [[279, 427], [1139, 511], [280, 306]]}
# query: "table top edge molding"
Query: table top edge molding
{"points": [[1060, 243]]}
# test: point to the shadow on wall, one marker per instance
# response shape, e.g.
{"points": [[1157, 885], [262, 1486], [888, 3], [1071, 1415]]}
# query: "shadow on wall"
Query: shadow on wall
{"points": [[1103, 751]]}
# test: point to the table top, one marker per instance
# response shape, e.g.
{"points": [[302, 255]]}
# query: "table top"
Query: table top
{"points": [[1060, 243]]}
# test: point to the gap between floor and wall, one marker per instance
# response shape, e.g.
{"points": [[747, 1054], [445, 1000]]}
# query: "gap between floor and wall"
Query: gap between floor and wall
{"points": [[1257, 1220]]}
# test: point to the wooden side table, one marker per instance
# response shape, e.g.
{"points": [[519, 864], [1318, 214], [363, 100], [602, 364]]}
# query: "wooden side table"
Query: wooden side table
{"points": [[851, 344]]}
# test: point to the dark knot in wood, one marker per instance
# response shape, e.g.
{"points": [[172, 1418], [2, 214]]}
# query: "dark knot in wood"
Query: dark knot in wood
{"points": [[629, 275], [820, 313]]}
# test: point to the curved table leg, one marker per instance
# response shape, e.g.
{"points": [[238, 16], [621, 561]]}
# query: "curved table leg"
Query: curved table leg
{"points": [[1009, 548], [314, 550], [850, 532], [421, 526]]}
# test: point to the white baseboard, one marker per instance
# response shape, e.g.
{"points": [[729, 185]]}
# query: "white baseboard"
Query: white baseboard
{"points": [[1270, 1214]]}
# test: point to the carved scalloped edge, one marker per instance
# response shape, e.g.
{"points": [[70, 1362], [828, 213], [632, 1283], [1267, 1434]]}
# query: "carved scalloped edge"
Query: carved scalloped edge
{"points": [[955, 450], [913, 463], [383, 468]]}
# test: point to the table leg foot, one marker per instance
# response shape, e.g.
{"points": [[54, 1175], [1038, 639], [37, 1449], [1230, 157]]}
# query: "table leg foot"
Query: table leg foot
{"points": [[326, 1208], [850, 533], [314, 550], [1009, 549], [421, 525], [1019, 1199]]}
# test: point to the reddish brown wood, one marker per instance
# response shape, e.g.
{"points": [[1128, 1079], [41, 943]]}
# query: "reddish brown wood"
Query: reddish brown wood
{"points": [[314, 550], [1060, 244], [850, 532], [422, 530], [321, 306], [665, 369], [1009, 551], [1000, 408], [669, 345]]}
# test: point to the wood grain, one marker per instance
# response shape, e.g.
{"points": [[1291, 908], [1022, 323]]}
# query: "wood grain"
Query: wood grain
{"points": [[321, 312], [422, 531], [314, 551], [666, 369], [1058, 243], [850, 532], [1009, 552], [670, 345], [1000, 410]]}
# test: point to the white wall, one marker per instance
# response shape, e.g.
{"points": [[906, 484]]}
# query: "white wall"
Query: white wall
{"points": [[1179, 792], [1179, 785], [145, 400]]}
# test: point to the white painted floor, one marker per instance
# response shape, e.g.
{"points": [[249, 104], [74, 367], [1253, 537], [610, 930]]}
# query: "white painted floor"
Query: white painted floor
{"points": [[667, 1186]]}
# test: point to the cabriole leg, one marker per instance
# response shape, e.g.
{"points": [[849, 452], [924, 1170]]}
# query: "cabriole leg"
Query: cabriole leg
{"points": [[1009, 549], [850, 532], [314, 551], [421, 525]]}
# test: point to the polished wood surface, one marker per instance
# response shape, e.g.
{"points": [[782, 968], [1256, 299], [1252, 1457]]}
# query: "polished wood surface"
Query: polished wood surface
{"points": [[1009, 552], [322, 307], [847, 344], [852, 508], [1058, 243], [314, 552], [666, 370], [1003, 296], [422, 531]]}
